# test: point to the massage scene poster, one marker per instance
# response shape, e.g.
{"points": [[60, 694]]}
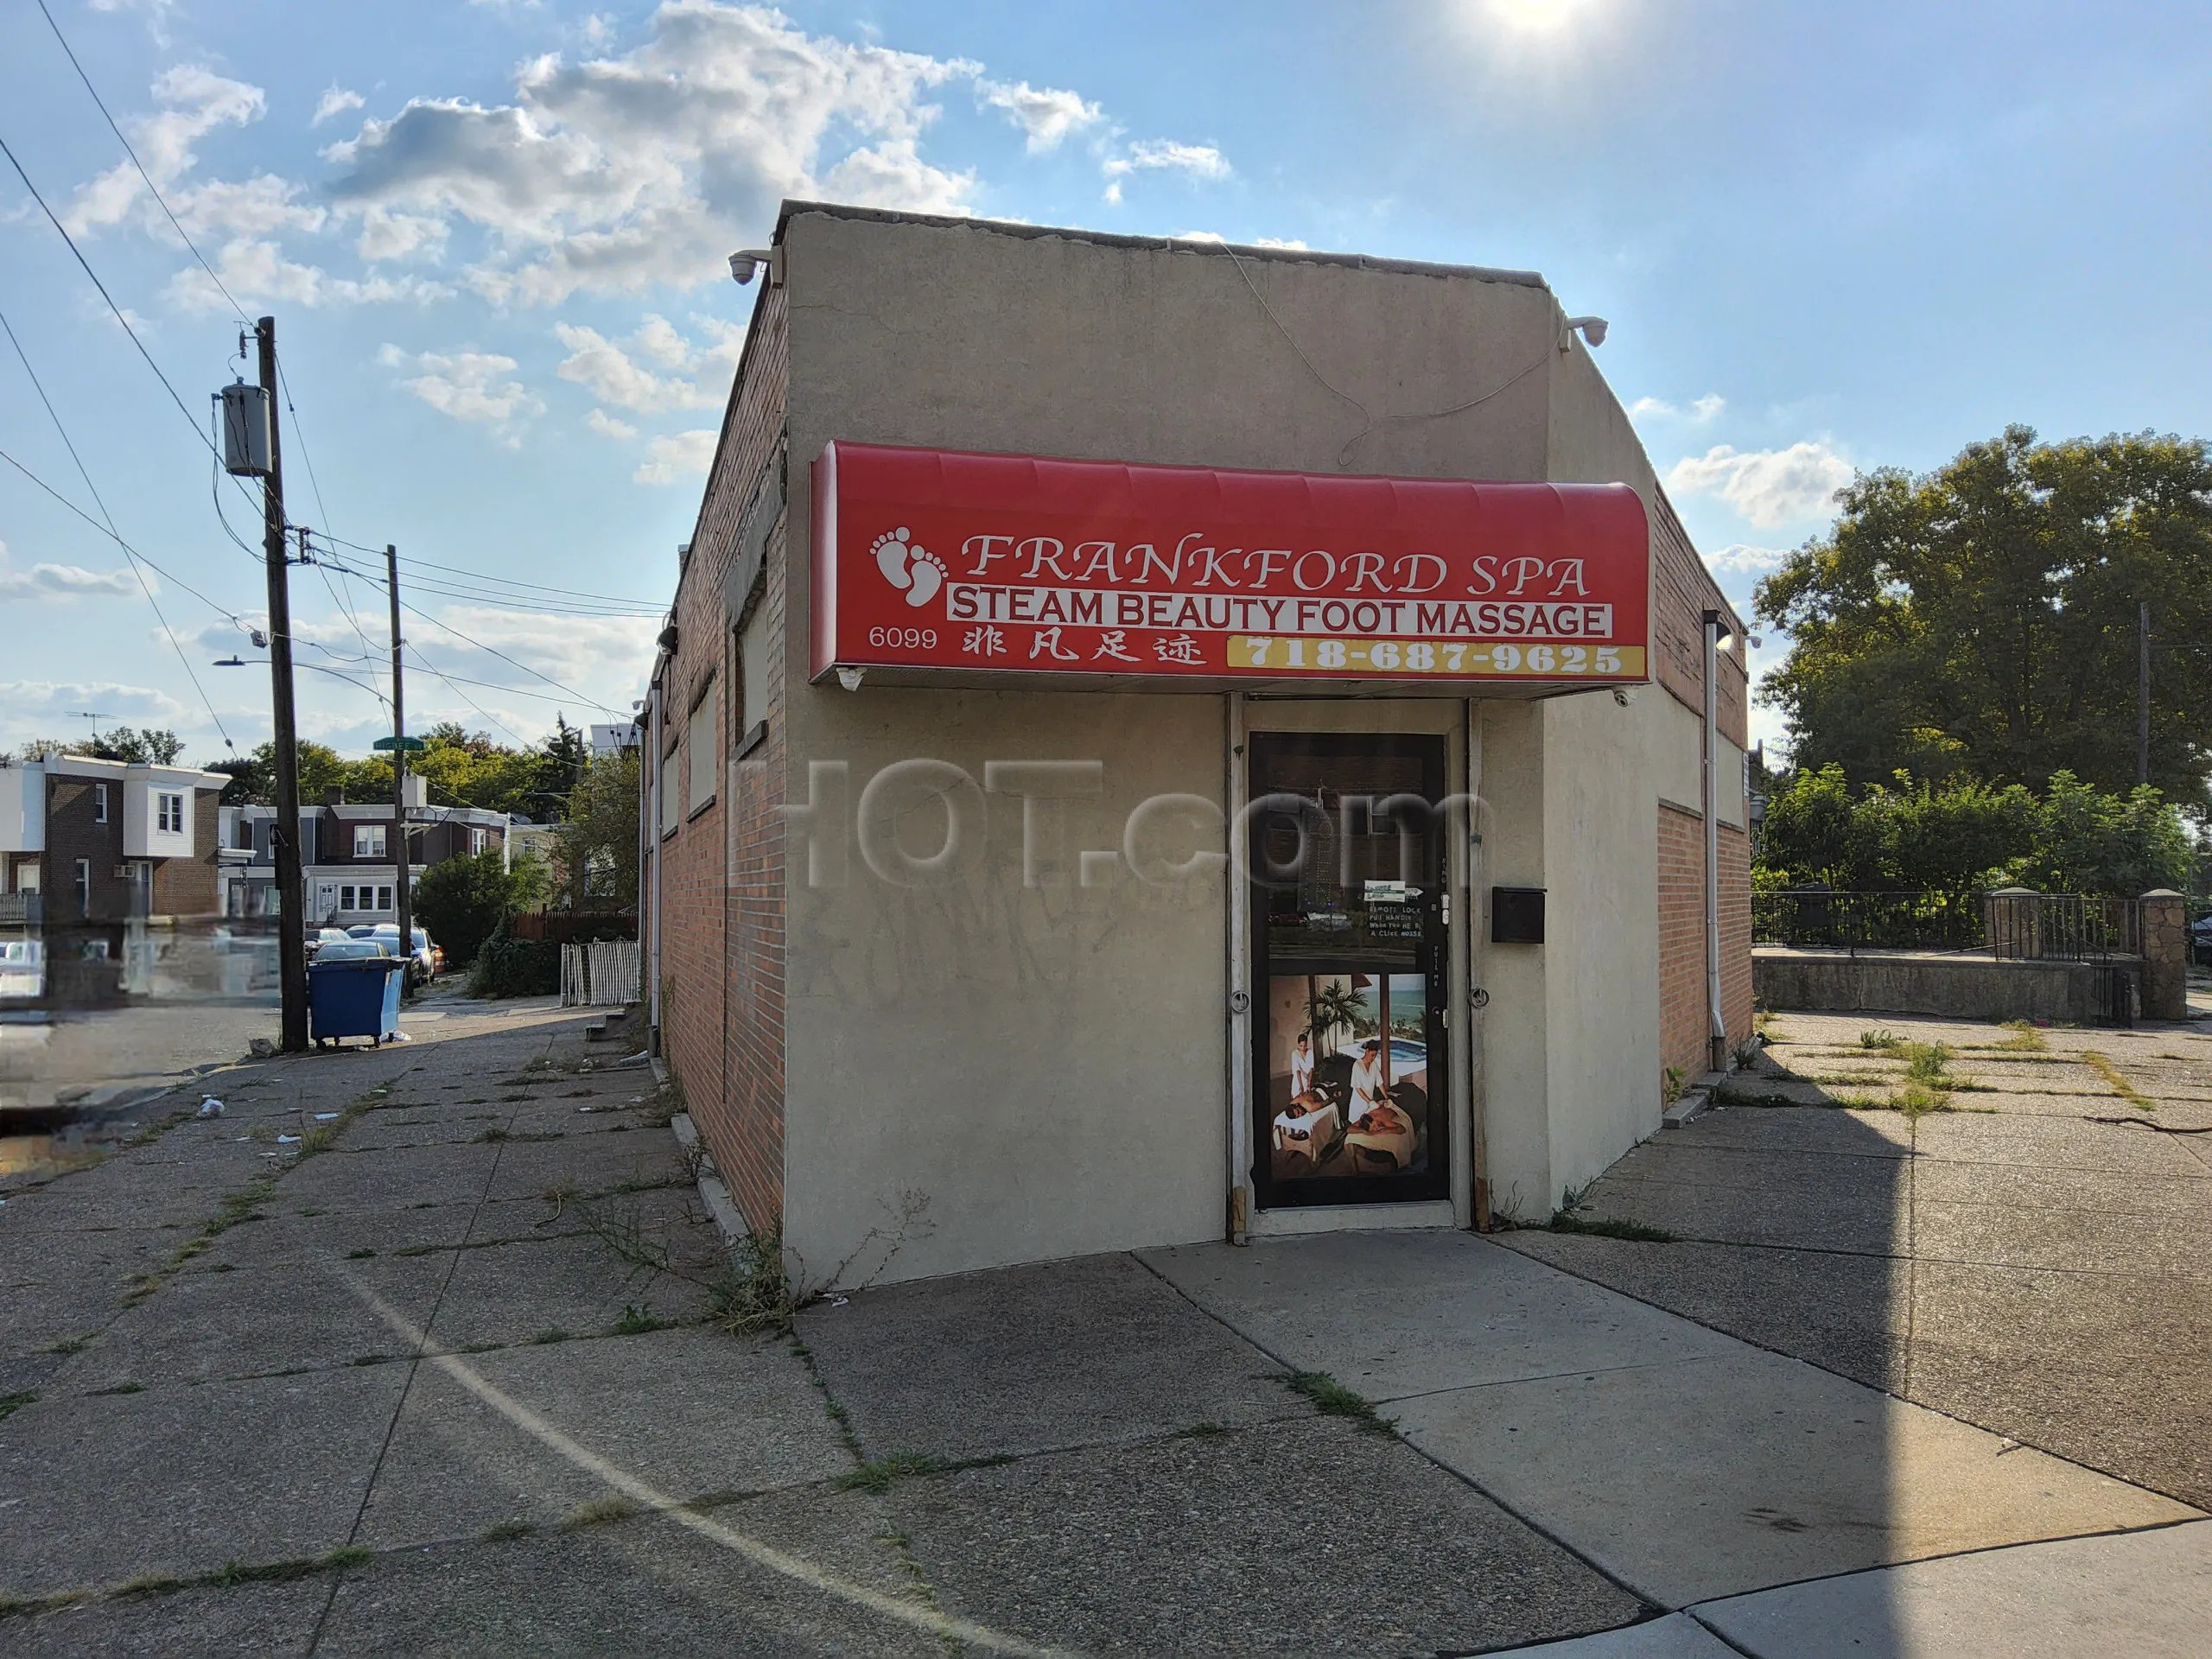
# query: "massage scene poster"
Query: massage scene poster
{"points": [[1348, 1075]]}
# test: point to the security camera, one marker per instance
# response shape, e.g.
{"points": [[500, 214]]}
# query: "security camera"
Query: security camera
{"points": [[746, 261], [1591, 328]]}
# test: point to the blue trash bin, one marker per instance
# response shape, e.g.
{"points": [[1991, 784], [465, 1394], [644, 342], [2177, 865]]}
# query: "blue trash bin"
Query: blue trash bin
{"points": [[356, 998]]}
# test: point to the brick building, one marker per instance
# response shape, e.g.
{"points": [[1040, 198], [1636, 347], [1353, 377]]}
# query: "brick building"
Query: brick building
{"points": [[1097, 793], [348, 870], [93, 853]]}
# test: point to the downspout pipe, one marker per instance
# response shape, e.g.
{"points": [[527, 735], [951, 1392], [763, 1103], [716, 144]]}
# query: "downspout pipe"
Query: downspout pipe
{"points": [[650, 772], [1717, 638]]}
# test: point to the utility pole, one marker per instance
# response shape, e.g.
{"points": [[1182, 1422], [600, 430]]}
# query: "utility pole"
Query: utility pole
{"points": [[291, 902], [399, 769], [2143, 692]]}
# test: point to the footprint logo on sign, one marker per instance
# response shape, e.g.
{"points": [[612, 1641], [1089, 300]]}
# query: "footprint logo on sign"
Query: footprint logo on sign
{"points": [[915, 570]]}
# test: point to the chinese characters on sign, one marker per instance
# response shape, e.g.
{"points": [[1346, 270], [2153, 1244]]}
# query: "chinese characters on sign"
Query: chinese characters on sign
{"points": [[940, 559]]}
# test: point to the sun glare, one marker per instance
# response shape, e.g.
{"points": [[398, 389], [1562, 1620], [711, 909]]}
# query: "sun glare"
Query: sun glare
{"points": [[1532, 16]]}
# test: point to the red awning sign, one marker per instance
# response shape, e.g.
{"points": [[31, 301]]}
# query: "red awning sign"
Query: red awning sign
{"points": [[944, 560]]}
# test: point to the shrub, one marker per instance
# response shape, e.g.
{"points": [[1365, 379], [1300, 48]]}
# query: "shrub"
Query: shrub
{"points": [[460, 901], [505, 966]]}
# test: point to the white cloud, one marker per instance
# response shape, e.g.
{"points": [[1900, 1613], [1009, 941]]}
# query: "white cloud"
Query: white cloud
{"points": [[258, 206], [257, 270], [1700, 409], [41, 704], [1200, 162], [893, 175], [335, 100], [607, 426], [618, 173], [467, 385], [1045, 114], [199, 100], [1741, 559], [614, 376], [387, 235], [64, 582], [671, 459], [606, 370], [1768, 486], [1289, 244]]}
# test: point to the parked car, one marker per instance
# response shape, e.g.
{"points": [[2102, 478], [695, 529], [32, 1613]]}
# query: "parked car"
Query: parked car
{"points": [[363, 930], [352, 950], [322, 937], [429, 961]]}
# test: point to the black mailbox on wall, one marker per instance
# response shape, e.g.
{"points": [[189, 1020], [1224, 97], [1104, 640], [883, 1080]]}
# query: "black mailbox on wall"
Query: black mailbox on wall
{"points": [[1516, 915]]}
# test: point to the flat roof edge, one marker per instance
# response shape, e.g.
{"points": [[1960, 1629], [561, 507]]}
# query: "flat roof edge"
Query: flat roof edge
{"points": [[1164, 243]]}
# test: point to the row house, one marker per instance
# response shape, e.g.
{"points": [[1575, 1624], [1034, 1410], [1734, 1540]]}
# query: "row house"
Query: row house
{"points": [[93, 853], [348, 871]]}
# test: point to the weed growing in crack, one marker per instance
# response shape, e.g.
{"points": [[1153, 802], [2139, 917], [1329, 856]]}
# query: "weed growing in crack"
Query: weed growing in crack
{"points": [[1882, 1041], [2025, 1038], [638, 1319], [2117, 1079], [12, 1403], [499, 1532], [1331, 1399], [878, 1473], [1565, 1221], [600, 1512]]}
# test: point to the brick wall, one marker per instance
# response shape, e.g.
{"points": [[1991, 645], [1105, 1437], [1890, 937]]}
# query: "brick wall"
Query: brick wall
{"points": [[1682, 1022], [190, 886], [721, 901], [72, 834], [1683, 591]]}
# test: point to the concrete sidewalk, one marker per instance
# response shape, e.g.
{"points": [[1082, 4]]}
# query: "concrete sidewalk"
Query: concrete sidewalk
{"points": [[450, 1372]]}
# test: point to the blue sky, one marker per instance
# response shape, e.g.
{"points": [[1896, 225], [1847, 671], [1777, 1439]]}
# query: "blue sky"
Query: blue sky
{"points": [[1826, 236]]}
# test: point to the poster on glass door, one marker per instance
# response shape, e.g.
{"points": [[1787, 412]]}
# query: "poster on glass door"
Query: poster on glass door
{"points": [[1348, 1075]]}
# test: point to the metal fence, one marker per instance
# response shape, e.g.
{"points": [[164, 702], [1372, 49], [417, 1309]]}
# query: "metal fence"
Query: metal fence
{"points": [[2012, 924], [1822, 919], [2063, 926]]}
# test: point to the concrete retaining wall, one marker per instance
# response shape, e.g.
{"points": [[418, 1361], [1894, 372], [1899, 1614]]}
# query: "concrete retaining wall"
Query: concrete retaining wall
{"points": [[1962, 988]]}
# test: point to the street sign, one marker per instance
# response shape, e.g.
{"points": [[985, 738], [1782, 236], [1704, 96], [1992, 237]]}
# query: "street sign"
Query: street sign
{"points": [[412, 745]]}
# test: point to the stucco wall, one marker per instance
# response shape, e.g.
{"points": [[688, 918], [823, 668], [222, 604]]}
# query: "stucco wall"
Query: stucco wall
{"points": [[1054, 1059], [1071, 1076]]}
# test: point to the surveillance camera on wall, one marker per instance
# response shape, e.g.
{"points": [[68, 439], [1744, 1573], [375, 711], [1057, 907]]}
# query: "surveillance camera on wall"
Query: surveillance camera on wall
{"points": [[744, 263], [1593, 329]]}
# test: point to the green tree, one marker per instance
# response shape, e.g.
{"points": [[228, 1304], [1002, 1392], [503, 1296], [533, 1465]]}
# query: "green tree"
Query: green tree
{"points": [[149, 746], [598, 838], [2090, 842], [1980, 621], [459, 901]]}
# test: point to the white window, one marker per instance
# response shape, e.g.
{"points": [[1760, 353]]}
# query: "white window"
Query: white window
{"points": [[670, 776], [345, 897], [84, 880], [368, 841], [99, 803], [384, 897], [170, 814], [705, 757], [478, 840]]}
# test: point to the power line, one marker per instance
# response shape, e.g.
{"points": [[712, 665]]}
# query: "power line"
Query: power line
{"points": [[529, 603], [465, 697], [167, 576], [589, 703], [71, 54], [190, 419], [457, 573], [145, 587]]}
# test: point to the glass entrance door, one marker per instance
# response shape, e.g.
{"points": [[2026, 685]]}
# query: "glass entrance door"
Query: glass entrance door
{"points": [[1349, 953]]}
